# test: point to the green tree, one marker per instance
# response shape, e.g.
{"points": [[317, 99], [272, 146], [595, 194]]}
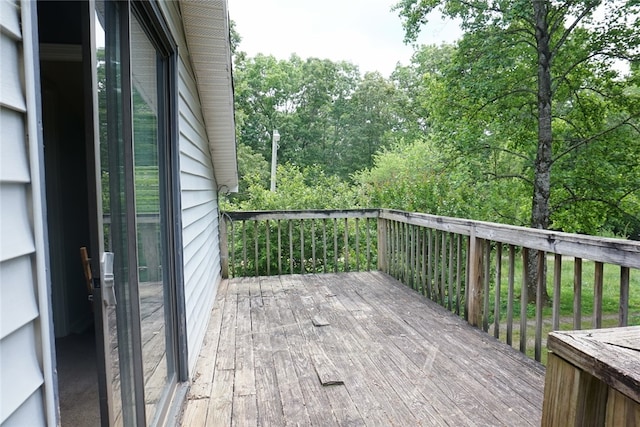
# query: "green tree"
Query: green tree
{"points": [[524, 66]]}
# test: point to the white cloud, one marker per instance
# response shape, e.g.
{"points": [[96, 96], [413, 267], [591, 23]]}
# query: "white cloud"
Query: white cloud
{"points": [[364, 32]]}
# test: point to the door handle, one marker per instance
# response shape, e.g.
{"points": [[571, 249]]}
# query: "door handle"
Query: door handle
{"points": [[108, 289]]}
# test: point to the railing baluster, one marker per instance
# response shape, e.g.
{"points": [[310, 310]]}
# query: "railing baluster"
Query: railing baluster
{"points": [[450, 296], [577, 293], [324, 245], [496, 291], [268, 235], [346, 245], [423, 232], [458, 271], [394, 249], [357, 244], [313, 245], [302, 257], [540, 286], [279, 249], [398, 256], [412, 256], [233, 251], [436, 265], [467, 275], [443, 267], [244, 248], [486, 279], [335, 245], [256, 249], [290, 224], [623, 314], [368, 228], [524, 301], [512, 262], [405, 255], [557, 291], [419, 260], [597, 295], [429, 266]]}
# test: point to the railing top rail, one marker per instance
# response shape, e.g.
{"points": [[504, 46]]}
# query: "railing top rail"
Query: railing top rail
{"points": [[615, 251], [301, 214]]}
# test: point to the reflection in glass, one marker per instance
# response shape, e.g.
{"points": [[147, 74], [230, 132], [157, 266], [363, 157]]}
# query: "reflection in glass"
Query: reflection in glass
{"points": [[119, 341], [150, 215]]}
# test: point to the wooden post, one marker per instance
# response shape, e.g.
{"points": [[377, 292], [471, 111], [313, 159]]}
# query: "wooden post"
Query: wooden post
{"points": [[383, 263], [224, 247], [475, 279]]}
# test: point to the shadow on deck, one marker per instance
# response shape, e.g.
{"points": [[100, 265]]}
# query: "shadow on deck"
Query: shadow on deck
{"points": [[353, 349]]}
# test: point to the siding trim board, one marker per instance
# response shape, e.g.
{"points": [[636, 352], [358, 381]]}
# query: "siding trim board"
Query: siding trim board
{"points": [[44, 324], [28, 384]]}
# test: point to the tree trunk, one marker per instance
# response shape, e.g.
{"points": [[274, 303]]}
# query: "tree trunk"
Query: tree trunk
{"points": [[542, 178]]}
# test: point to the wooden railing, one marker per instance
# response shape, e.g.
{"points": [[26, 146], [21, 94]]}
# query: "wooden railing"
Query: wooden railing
{"points": [[288, 242], [476, 269]]}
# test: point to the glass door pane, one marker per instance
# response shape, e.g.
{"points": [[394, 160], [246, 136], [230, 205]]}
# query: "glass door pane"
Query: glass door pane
{"points": [[120, 308], [151, 213], [133, 115]]}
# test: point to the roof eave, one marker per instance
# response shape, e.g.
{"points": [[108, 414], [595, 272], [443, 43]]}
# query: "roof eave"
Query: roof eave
{"points": [[206, 26]]}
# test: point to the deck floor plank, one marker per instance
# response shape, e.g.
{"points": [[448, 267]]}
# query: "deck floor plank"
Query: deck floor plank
{"points": [[314, 393], [293, 404], [245, 408], [267, 393], [478, 373], [397, 359], [353, 405], [413, 388], [493, 373], [464, 392], [382, 383]]}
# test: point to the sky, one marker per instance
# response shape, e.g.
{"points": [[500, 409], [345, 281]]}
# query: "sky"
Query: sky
{"points": [[364, 32]]}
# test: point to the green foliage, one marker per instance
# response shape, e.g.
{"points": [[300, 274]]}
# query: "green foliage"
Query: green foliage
{"points": [[483, 106], [455, 132], [297, 188], [326, 112]]}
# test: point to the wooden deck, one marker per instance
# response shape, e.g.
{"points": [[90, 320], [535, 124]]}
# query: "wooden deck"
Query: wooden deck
{"points": [[353, 349]]}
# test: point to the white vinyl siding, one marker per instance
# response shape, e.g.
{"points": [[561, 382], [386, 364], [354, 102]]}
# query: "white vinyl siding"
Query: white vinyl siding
{"points": [[198, 198], [26, 372]]}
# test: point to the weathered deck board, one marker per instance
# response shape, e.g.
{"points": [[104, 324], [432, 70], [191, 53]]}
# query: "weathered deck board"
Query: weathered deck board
{"points": [[397, 359]]}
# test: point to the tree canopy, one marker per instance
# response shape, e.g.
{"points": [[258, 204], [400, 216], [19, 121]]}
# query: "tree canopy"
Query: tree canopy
{"points": [[465, 130]]}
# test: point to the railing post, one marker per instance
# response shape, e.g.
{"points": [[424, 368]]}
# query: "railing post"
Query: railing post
{"points": [[382, 246], [224, 246], [475, 279]]}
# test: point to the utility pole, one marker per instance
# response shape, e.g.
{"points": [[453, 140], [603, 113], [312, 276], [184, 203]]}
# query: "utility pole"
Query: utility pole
{"points": [[274, 157]]}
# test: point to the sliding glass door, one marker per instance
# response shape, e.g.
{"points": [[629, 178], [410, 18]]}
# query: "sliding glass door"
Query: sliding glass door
{"points": [[134, 72]]}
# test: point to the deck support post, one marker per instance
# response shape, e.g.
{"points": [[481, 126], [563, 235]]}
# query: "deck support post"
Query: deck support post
{"points": [[475, 285], [383, 264], [224, 246]]}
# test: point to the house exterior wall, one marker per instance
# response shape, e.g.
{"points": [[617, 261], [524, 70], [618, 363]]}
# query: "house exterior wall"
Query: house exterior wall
{"points": [[26, 382], [27, 364], [198, 197]]}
